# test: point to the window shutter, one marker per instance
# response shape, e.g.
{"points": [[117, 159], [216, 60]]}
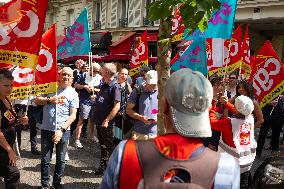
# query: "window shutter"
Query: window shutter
{"points": [[135, 13], [104, 14], [113, 17], [90, 15]]}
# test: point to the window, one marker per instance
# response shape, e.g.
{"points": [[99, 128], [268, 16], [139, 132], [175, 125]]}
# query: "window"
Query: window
{"points": [[124, 9], [70, 17], [98, 11]]}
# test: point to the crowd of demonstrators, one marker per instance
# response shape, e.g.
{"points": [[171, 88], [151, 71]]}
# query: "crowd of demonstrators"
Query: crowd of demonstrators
{"points": [[8, 122], [199, 113], [179, 158], [234, 114]]}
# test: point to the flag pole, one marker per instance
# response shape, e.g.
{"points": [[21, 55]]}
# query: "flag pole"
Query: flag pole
{"points": [[56, 71], [240, 71], [33, 84]]}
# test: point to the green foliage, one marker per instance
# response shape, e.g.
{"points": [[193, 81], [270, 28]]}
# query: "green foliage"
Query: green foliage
{"points": [[194, 13]]}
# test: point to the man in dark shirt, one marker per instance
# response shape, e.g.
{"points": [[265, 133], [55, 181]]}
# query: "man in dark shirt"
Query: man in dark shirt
{"points": [[85, 91], [106, 107]]}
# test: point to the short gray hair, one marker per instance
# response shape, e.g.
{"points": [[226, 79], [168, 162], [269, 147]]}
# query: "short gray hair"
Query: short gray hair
{"points": [[111, 68], [96, 65]]}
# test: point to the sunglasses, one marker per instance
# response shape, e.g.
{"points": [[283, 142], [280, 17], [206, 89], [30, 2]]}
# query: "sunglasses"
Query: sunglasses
{"points": [[232, 77]]}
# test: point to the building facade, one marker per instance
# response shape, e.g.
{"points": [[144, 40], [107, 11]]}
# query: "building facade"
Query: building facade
{"points": [[124, 20]]}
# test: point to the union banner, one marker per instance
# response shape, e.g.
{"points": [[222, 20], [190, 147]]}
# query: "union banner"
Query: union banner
{"points": [[140, 55], [268, 75], [21, 28], [45, 80]]}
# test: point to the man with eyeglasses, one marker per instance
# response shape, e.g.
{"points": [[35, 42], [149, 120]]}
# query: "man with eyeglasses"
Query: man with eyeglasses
{"points": [[231, 85]]}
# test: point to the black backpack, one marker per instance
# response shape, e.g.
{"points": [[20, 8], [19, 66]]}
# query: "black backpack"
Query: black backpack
{"points": [[128, 121]]}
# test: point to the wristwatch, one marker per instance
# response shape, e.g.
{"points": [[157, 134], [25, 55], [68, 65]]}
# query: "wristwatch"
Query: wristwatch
{"points": [[63, 130], [48, 100]]}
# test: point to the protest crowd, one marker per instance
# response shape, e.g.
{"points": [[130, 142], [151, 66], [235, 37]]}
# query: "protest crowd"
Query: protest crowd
{"points": [[209, 111], [109, 107]]}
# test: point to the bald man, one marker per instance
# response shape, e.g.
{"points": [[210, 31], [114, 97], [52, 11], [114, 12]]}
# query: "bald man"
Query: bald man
{"points": [[59, 112]]}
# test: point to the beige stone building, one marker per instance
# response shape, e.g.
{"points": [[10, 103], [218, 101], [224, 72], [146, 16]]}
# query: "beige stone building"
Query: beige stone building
{"points": [[125, 20]]}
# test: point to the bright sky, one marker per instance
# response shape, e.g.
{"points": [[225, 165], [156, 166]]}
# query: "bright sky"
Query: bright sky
{"points": [[5, 1]]}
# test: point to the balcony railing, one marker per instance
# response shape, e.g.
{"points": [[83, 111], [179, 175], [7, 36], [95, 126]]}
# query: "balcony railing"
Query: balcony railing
{"points": [[147, 22], [97, 24], [123, 22]]}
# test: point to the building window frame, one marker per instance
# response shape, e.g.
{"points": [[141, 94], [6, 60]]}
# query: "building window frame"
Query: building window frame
{"points": [[70, 17]]}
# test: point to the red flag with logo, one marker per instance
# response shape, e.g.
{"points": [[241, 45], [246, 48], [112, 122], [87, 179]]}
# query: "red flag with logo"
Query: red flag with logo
{"points": [[246, 65], [45, 74], [21, 28], [233, 46], [177, 26], [140, 55], [268, 75]]}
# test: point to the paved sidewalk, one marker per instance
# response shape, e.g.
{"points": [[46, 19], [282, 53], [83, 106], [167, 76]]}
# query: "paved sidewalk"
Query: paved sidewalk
{"points": [[78, 171]]}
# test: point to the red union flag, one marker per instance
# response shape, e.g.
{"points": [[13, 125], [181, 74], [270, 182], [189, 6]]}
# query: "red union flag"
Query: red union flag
{"points": [[140, 55], [268, 75], [45, 74], [246, 65], [233, 46], [21, 27], [177, 26]]}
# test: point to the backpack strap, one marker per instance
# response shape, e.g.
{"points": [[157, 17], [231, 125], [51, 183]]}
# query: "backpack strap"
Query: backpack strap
{"points": [[130, 167], [139, 91], [202, 168]]}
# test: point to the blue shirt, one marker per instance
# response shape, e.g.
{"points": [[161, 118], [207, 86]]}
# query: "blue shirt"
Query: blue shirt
{"points": [[55, 115], [227, 175], [140, 81], [109, 93], [148, 106]]}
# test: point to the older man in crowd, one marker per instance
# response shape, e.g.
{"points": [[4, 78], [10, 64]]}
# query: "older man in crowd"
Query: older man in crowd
{"points": [[142, 106], [59, 112], [106, 107]]}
